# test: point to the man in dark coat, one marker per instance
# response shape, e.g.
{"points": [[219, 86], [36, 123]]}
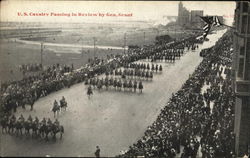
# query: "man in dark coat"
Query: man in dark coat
{"points": [[97, 152]]}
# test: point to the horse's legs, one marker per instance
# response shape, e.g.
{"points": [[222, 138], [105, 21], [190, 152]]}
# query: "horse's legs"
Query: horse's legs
{"points": [[28, 132], [21, 132], [41, 134], [54, 135], [47, 138], [11, 129], [17, 132], [32, 134]]}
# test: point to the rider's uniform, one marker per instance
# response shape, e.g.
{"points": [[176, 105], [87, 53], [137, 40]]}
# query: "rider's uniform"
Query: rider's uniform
{"points": [[57, 123], [49, 122], [43, 121], [13, 118], [36, 120], [21, 119], [30, 119], [55, 105]]}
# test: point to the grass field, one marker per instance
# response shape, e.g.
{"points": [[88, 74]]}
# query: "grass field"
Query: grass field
{"points": [[13, 54]]}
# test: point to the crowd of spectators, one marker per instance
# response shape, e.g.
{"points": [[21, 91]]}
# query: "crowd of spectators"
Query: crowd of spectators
{"points": [[24, 68], [189, 120]]}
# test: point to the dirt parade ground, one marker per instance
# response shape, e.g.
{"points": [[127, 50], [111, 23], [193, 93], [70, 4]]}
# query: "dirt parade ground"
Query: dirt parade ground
{"points": [[110, 119]]}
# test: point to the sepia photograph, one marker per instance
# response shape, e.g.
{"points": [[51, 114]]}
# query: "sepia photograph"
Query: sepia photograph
{"points": [[125, 79]]}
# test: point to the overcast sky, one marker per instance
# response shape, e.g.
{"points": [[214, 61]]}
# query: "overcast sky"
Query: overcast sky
{"points": [[141, 10]]}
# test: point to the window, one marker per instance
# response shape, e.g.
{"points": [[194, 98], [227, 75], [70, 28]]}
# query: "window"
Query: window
{"points": [[244, 24], [248, 60], [238, 5], [238, 21], [242, 50], [248, 24], [241, 67], [245, 7]]}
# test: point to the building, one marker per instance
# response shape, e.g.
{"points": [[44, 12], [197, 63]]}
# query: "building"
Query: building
{"points": [[189, 19], [183, 15], [241, 73], [195, 19]]}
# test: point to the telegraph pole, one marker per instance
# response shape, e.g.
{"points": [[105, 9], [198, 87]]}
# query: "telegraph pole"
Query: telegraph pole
{"points": [[94, 45], [124, 43], [82, 48], [42, 53], [144, 35]]}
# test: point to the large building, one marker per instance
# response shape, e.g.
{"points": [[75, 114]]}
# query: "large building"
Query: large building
{"points": [[189, 18], [183, 15], [241, 72], [195, 19]]}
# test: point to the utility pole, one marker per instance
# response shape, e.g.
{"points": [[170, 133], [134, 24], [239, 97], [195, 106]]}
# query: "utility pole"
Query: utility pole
{"points": [[175, 31], [42, 53], [144, 38], [124, 43], [82, 46], [94, 45]]}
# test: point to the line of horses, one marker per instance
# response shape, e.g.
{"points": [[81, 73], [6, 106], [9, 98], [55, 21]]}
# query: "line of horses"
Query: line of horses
{"points": [[115, 83], [143, 66], [34, 128], [133, 74]]}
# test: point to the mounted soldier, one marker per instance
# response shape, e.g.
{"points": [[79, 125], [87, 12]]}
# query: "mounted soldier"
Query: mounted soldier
{"points": [[135, 85], [63, 103], [140, 86], [89, 92], [56, 108]]}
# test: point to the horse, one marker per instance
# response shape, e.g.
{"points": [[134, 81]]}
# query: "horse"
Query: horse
{"points": [[27, 126], [130, 85], [135, 86], [140, 87], [57, 129], [119, 85], [63, 104], [89, 92], [55, 109], [34, 127], [106, 84], [99, 85], [19, 127], [44, 131], [47, 131], [151, 75], [156, 68], [41, 129], [125, 85], [160, 69], [115, 84], [11, 125], [30, 101], [4, 124]]}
